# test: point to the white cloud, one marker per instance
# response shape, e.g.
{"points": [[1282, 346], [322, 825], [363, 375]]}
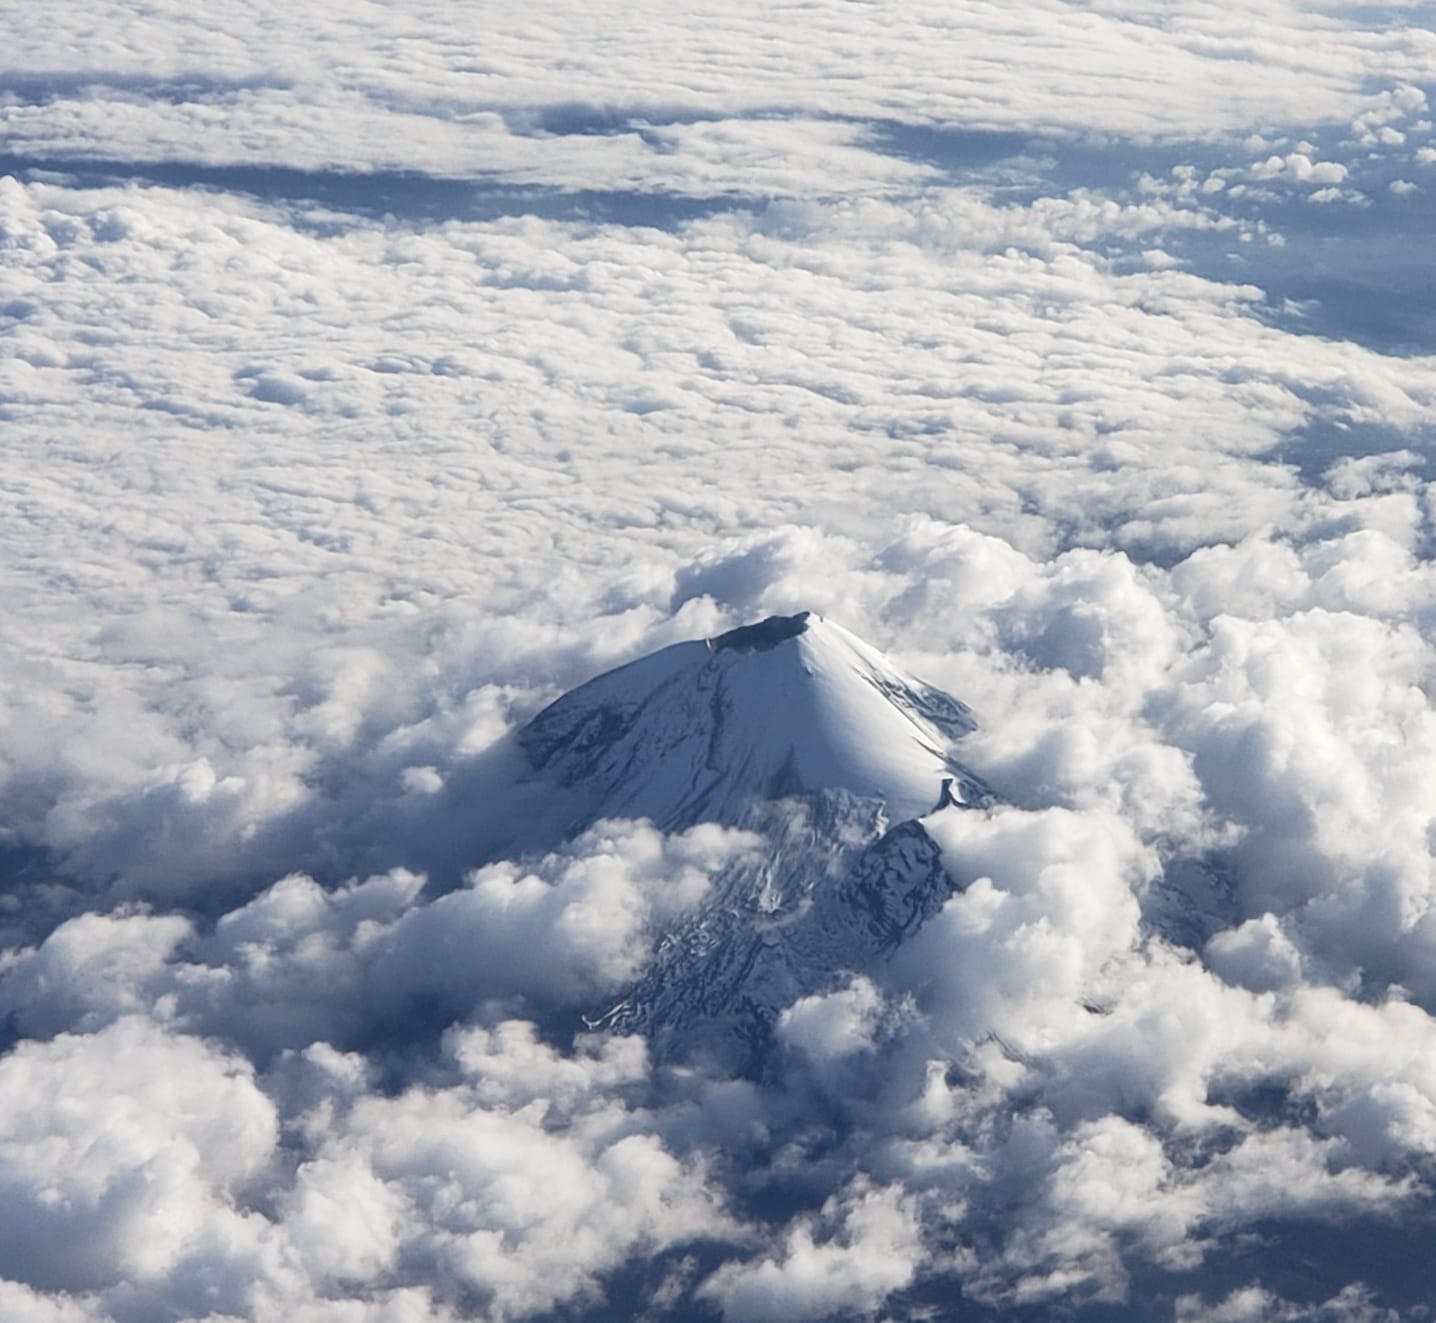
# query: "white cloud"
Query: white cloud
{"points": [[144, 1183], [871, 1248], [301, 964], [832, 1026], [1047, 899], [1255, 1304], [1256, 955], [576, 925], [123, 1154], [522, 1207], [1300, 168], [408, 88], [26, 1306]]}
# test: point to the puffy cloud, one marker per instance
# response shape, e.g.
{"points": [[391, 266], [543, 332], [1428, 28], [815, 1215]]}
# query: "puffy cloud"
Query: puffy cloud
{"points": [[300, 964], [1324, 776], [27, 1306], [519, 1188], [1046, 900], [1248, 1304], [124, 1156], [1257, 955], [520, 1184], [834, 1025], [1091, 615], [871, 1248], [1299, 167], [90, 971]]}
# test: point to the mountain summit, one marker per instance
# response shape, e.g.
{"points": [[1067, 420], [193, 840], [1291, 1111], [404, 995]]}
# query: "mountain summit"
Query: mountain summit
{"points": [[702, 731]]}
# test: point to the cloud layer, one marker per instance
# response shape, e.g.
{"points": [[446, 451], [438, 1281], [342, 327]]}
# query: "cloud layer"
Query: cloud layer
{"points": [[371, 375]]}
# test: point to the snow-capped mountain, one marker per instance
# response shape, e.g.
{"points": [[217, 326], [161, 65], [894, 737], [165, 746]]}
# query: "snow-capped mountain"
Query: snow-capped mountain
{"points": [[797, 730], [701, 731]]}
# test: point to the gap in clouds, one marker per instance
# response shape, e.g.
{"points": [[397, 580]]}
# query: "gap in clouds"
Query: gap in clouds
{"points": [[1305, 1266], [1321, 443], [18, 88], [1414, 13], [407, 198], [1332, 261]]}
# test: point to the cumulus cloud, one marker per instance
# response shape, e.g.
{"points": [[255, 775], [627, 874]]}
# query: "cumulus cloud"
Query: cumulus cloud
{"points": [[301, 964], [521, 1207], [1351, 1303], [124, 1153], [1299, 167], [871, 1248], [518, 1183], [579, 924], [27, 1306], [832, 1026]]}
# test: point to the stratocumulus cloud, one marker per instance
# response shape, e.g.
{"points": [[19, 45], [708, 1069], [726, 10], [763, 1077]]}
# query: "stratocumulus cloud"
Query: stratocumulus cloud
{"points": [[369, 377]]}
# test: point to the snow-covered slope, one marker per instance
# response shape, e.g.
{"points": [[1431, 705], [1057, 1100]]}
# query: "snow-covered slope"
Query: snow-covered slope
{"points": [[702, 731]]}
